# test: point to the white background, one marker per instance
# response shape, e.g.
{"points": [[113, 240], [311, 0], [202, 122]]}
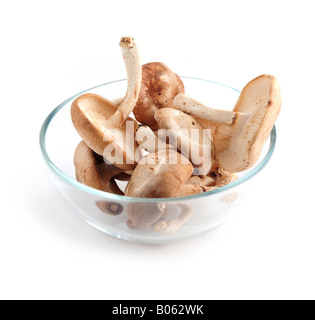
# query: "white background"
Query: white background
{"points": [[51, 50]]}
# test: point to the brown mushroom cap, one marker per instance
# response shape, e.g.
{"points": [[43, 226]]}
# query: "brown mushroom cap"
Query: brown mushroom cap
{"points": [[239, 149], [159, 175], [85, 167], [89, 113], [159, 87], [94, 173], [189, 136]]}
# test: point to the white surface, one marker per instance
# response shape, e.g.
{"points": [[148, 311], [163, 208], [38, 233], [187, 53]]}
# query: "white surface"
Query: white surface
{"points": [[51, 50]]}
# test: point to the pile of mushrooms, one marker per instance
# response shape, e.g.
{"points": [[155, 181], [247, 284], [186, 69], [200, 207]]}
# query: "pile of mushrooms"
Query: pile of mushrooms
{"points": [[164, 143]]}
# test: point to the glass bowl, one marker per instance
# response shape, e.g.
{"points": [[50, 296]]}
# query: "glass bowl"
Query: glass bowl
{"points": [[203, 212]]}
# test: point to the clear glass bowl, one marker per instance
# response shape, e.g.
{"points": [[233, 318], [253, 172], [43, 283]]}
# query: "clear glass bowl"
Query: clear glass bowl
{"points": [[58, 140]]}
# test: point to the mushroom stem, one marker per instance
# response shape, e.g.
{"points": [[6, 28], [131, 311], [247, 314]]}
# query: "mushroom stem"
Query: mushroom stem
{"points": [[195, 108], [93, 172], [189, 136], [134, 76]]}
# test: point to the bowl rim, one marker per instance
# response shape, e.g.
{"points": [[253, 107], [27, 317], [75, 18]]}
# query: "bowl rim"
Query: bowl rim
{"points": [[106, 195]]}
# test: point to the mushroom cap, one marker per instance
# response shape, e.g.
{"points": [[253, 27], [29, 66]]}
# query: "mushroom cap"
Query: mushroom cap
{"points": [[86, 167], [189, 136], [89, 113], [93, 172], [159, 87], [159, 175], [238, 147]]}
